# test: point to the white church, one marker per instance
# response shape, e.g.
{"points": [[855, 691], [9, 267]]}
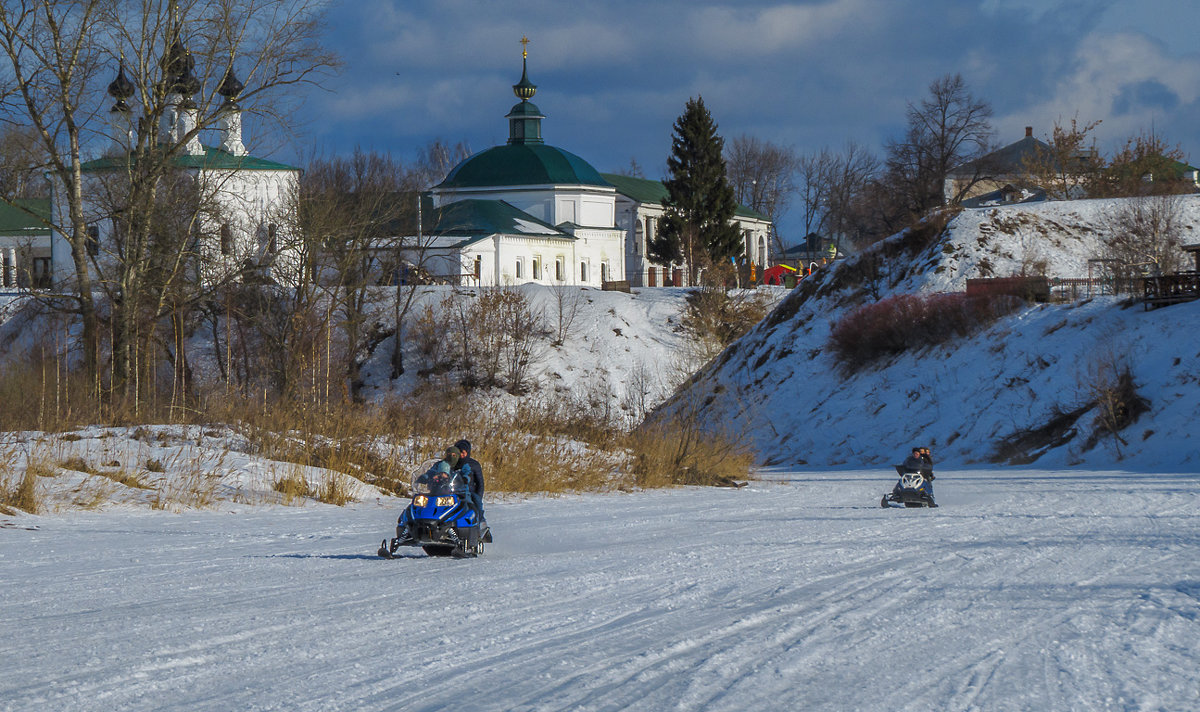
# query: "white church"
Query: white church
{"points": [[244, 227], [530, 212]]}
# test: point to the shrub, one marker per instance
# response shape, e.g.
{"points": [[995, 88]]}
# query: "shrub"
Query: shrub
{"points": [[716, 317], [19, 491], [677, 449], [908, 321], [294, 485]]}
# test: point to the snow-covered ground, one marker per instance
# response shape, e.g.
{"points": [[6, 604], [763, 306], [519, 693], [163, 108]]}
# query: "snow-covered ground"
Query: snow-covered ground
{"points": [[1026, 590]]}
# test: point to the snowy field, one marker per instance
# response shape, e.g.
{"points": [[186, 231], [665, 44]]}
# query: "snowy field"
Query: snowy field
{"points": [[1026, 590]]}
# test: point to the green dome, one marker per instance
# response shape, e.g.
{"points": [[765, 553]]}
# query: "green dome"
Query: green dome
{"points": [[522, 164]]}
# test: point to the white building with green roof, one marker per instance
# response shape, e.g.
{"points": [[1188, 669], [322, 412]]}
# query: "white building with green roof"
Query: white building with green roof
{"points": [[25, 244], [246, 200], [524, 212], [530, 212]]}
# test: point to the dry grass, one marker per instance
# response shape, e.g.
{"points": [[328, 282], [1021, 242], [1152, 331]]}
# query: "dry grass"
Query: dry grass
{"points": [[294, 485], [124, 477], [192, 486], [334, 490], [78, 464], [19, 491], [553, 443]]}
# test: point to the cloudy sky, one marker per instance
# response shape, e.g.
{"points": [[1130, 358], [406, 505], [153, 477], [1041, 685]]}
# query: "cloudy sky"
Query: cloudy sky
{"points": [[613, 76]]}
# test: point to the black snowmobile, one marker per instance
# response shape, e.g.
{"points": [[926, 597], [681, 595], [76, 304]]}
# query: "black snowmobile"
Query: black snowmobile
{"points": [[913, 489], [440, 519]]}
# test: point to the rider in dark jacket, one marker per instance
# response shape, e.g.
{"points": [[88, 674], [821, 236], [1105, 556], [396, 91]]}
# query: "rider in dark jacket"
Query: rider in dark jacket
{"points": [[474, 474]]}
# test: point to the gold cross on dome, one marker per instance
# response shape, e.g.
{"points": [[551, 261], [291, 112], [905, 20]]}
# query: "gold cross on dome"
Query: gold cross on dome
{"points": [[524, 47]]}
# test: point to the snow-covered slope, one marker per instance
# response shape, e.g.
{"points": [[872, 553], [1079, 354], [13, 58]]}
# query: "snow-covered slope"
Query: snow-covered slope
{"points": [[1030, 590], [781, 386]]}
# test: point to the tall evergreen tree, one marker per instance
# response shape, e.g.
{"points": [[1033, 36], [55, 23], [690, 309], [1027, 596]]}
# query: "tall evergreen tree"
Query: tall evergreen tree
{"points": [[696, 229]]}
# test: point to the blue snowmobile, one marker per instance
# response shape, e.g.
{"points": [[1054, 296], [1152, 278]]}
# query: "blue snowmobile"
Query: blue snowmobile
{"points": [[913, 489], [440, 519]]}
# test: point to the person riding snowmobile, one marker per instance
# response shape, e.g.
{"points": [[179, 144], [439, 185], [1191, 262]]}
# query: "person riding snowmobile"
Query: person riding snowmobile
{"points": [[438, 477], [474, 472], [919, 461]]}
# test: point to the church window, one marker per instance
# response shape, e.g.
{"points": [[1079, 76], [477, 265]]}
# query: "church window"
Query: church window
{"points": [[226, 239], [651, 228], [638, 236], [93, 240], [604, 276], [583, 276], [558, 270], [478, 266], [520, 272], [537, 268]]}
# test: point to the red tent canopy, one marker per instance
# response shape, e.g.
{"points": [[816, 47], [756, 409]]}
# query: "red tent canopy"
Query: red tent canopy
{"points": [[775, 275]]}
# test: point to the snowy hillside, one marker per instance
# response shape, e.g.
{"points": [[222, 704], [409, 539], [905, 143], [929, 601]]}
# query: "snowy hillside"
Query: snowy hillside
{"points": [[782, 388]]}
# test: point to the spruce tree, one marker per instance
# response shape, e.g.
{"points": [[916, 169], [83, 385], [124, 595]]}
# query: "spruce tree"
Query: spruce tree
{"points": [[697, 228]]}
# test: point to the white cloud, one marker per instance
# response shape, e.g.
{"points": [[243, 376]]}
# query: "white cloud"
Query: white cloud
{"points": [[1105, 66]]}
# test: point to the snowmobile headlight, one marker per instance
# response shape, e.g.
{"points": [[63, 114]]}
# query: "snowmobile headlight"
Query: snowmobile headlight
{"points": [[445, 501], [420, 500]]}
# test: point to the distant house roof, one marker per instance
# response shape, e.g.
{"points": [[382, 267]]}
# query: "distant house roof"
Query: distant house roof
{"points": [[213, 158], [476, 219], [16, 220], [654, 192], [1003, 161]]}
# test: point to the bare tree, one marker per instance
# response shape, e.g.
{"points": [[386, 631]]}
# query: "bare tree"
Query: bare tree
{"points": [[762, 175], [1145, 235], [1069, 168], [832, 188], [946, 129], [63, 53], [23, 162], [351, 213], [1145, 165], [436, 160]]}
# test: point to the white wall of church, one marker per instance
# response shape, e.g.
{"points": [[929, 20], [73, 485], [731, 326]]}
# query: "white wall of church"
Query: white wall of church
{"points": [[246, 221]]}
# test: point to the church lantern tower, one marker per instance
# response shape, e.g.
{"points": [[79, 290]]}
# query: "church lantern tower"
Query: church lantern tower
{"points": [[525, 119], [182, 115], [120, 117], [231, 114]]}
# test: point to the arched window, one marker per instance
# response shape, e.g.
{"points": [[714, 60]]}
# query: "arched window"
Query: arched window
{"points": [[583, 276], [519, 271], [638, 235], [558, 270], [226, 239], [537, 267]]}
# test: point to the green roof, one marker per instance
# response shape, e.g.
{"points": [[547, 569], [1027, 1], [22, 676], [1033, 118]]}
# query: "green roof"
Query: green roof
{"points": [[522, 164], [212, 159], [643, 190], [640, 189], [16, 220], [477, 219]]}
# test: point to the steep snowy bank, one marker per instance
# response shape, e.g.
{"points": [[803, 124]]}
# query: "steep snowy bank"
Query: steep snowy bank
{"points": [[781, 385]]}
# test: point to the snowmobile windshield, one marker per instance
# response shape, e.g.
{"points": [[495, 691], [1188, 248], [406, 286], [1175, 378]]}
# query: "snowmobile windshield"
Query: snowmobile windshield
{"points": [[433, 480]]}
